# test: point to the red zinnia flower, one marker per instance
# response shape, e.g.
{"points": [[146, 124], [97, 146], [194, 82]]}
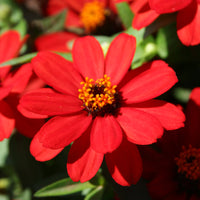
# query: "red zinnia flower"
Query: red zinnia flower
{"points": [[12, 84], [87, 14], [188, 16], [174, 172], [8, 39], [59, 41], [101, 106]]}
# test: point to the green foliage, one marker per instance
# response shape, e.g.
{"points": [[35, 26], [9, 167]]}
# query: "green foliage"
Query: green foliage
{"points": [[95, 194], [145, 51], [4, 151], [53, 23], [27, 58], [11, 17], [63, 187], [125, 14], [182, 94]]}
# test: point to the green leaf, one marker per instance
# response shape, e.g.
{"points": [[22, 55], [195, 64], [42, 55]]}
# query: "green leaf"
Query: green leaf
{"points": [[28, 57], [53, 23], [125, 14], [26, 195], [4, 151], [144, 52], [138, 34], [20, 60], [21, 27], [95, 194], [67, 56], [63, 187], [161, 42], [4, 197], [182, 94]]}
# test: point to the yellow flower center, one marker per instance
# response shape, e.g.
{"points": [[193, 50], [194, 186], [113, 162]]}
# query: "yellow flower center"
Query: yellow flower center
{"points": [[96, 95], [188, 163], [92, 15]]}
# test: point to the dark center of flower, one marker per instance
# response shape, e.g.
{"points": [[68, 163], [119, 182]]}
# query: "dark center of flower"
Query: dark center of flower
{"points": [[188, 163], [100, 97], [188, 168], [92, 15]]}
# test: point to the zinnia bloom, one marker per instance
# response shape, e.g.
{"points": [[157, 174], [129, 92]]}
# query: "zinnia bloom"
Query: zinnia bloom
{"points": [[12, 85], [95, 16], [188, 16], [58, 41], [101, 107], [174, 172]]}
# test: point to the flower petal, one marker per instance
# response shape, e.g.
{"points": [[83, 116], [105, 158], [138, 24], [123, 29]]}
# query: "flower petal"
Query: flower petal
{"points": [[125, 164], [7, 121], [83, 162], [58, 41], [106, 134], [41, 153], [144, 83], [73, 20], [170, 116], [27, 127], [140, 127], [163, 184], [144, 15], [119, 57], [76, 5], [163, 6], [57, 72], [19, 83], [188, 23], [60, 131], [7, 39], [45, 101], [55, 6], [29, 114], [192, 118], [88, 57]]}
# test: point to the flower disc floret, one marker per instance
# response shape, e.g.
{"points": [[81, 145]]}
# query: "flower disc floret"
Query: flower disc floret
{"points": [[188, 163], [98, 95], [92, 15]]}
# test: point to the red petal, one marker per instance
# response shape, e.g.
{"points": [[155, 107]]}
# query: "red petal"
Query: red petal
{"points": [[83, 162], [76, 5], [26, 126], [58, 41], [192, 118], [144, 15], [55, 6], [88, 57], [5, 90], [59, 131], [57, 72], [47, 102], [21, 78], [29, 114], [125, 164], [41, 153], [106, 134], [140, 127], [162, 185], [119, 57], [188, 23], [170, 116], [7, 121], [7, 39], [73, 20], [163, 6], [144, 83]]}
